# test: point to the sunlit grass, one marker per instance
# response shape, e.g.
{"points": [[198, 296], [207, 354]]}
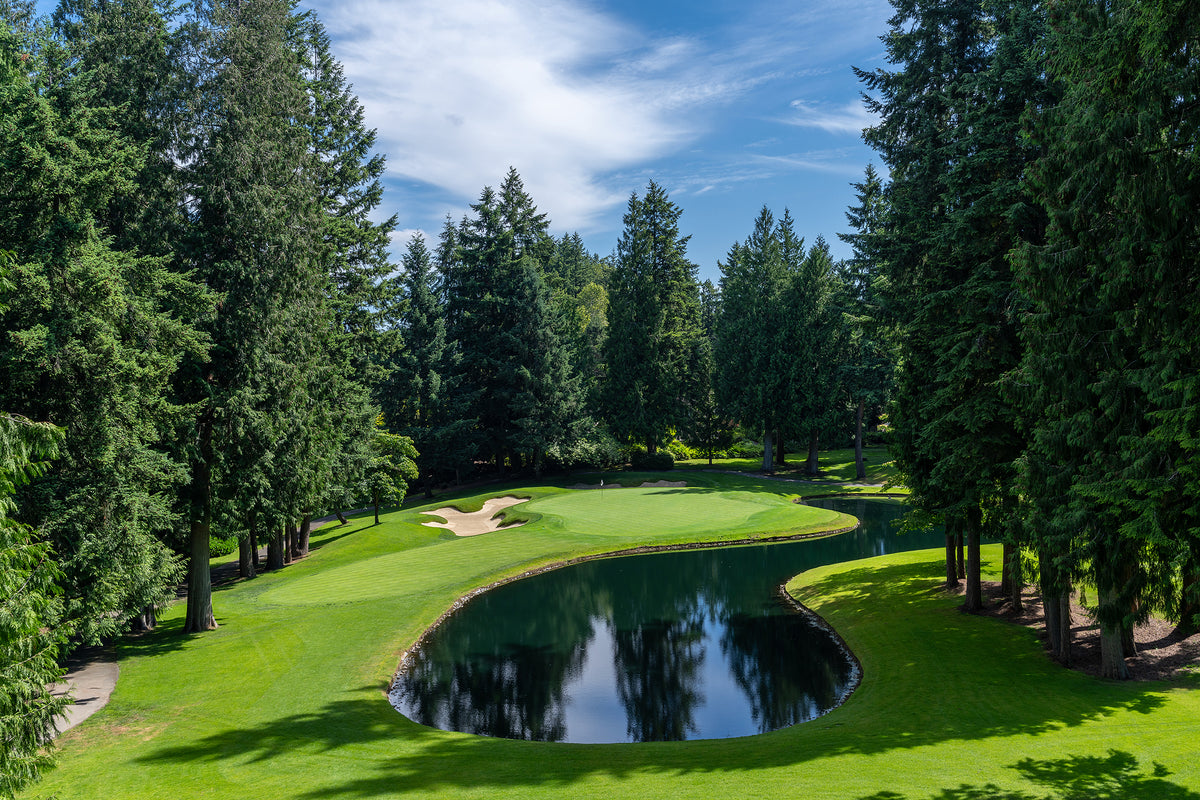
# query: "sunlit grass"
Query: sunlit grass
{"points": [[286, 699], [834, 465]]}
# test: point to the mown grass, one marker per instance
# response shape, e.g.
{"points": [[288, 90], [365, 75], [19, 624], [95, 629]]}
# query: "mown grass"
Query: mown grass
{"points": [[285, 699], [835, 465]]}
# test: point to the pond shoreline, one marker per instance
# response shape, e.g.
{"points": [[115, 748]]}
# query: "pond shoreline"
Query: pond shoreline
{"points": [[406, 655]]}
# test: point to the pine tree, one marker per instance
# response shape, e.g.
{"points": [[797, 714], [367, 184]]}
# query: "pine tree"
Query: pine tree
{"points": [[32, 629], [654, 325], [812, 343], [94, 351], [750, 341], [511, 361], [950, 134], [1110, 337], [866, 369], [253, 242], [414, 395]]}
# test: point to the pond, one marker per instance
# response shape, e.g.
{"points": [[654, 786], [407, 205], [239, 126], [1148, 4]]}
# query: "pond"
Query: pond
{"points": [[693, 644]]}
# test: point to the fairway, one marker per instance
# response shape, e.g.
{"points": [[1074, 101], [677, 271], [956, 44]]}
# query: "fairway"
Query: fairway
{"points": [[286, 699]]}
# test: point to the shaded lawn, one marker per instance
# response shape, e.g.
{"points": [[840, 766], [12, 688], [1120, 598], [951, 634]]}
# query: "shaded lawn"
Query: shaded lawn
{"points": [[285, 700], [835, 465]]}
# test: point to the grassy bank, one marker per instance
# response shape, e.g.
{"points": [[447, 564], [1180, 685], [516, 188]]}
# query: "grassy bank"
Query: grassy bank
{"points": [[835, 465], [285, 699]]}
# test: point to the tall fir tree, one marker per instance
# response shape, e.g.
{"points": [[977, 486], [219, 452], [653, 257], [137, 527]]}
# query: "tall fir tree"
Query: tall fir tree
{"points": [[869, 358], [1110, 345], [654, 325], [949, 132], [751, 349], [253, 242], [95, 348]]}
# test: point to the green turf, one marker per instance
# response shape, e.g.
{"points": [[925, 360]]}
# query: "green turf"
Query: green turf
{"points": [[285, 699], [835, 465]]}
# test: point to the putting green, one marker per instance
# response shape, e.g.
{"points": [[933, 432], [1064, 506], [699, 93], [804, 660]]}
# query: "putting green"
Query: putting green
{"points": [[670, 511], [608, 520]]}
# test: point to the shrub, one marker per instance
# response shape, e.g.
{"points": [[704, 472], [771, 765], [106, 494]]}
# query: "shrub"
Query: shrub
{"points": [[746, 449], [662, 460], [683, 452], [221, 547]]}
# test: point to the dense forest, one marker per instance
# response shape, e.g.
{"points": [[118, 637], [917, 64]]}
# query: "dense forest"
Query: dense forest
{"points": [[205, 341]]}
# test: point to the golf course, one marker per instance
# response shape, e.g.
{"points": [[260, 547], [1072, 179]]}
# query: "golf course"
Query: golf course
{"points": [[286, 699]]}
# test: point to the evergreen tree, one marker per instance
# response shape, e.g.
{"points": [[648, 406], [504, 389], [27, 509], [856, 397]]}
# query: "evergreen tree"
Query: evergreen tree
{"points": [[414, 394], [866, 369], [813, 342], [751, 328], [950, 134], [253, 241], [654, 325], [32, 629], [131, 56], [92, 350], [1110, 335], [511, 360]]}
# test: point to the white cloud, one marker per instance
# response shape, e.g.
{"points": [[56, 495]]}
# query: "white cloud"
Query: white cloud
{"points": [[850, 118], [460, 90], [400, 239]]}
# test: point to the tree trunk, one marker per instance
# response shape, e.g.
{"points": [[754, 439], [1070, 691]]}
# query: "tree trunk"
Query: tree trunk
{"points": [[146, 621], [275, 549], [780, 450], [285, 542], [199, 599], [376, 499], [974, 598], [1016, 578], [1189, 595], [247, 563], [305, 533], [651, 446], [341, 518], [1051, 610], [246, 567], [962, 559], [1128, 643], [951, 562], [1066, 633], [254, 549], [1056, 599], [768, 461], [1006, 577], [860, 470], [1112, 650], [813, 463]]}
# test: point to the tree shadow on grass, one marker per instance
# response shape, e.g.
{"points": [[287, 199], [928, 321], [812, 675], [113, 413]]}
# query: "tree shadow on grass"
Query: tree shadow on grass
{"points": [[1113, 777], [166, 638], [414, 758]]}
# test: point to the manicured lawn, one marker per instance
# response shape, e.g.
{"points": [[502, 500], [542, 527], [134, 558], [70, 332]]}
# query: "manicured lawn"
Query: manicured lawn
{"points": [[835, 465], [285, 700]]}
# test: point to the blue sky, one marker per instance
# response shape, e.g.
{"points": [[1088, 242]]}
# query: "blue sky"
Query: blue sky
{"points": [[728, 105]]}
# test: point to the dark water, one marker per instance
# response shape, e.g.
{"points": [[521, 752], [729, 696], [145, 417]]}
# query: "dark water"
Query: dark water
{"points": [[660, 647]]}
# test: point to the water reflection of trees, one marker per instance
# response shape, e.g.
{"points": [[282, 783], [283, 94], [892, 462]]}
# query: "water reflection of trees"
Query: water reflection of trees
{"points": [[790, 670], [658, 649], [507, 668], [508, 677]]}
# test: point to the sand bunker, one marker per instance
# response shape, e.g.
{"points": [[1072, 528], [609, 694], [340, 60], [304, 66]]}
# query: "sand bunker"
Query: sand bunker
{"points": [[475, 522], [672, 484]]}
